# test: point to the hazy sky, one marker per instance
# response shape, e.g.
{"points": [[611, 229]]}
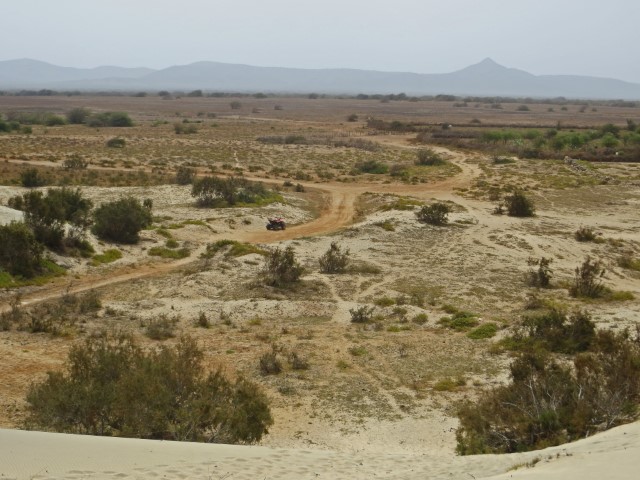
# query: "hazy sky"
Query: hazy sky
{"points": [[585, 37]]}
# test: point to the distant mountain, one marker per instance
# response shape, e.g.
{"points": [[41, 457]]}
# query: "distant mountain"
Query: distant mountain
{"points": [[486, 78], [25, 73]]}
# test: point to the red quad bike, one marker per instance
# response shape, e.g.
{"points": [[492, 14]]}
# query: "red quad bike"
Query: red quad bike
{"points": [[276, 224]]}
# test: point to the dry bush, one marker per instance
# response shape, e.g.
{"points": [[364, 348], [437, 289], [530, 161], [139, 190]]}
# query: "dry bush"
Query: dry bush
{"points": [[362, 314], [335, 260], [586, 282], [113, 387], [549, 402], [281, 268], [540, 277], [519, 205], [585, 234], [434, 214], [162, 328]]}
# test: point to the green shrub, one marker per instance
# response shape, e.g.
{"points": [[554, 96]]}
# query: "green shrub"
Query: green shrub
{"points": [[47, 214], [121, 220], [113, 387], [386, 225], [78, 115], [57, 317], [553, 331], [75, 162], [434, 214], [109, 119], [519, 205], [334, 260], [503, 160], [429, 157], [108, 256], [185, 175], [540, 277], [384, 301], [202, 321], [270, 364], [446, 385], [116, 142], [281, 268], [548, 402], [169, 253], [586, 282], [185, 128], [459, 321], [585, 234], [362, 314], [297, 362], [161, 328], [358, 351], [628, 261], [487, 330], [619, 296], [372, 166], [420, 319], [31, 178], [20, 253], [52, 120]]}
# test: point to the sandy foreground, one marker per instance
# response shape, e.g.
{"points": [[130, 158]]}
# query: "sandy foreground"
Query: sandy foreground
{"points": [[614, 454]]}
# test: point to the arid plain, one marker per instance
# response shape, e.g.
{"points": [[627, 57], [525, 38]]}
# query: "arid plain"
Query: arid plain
{"points": [[387, 387]]}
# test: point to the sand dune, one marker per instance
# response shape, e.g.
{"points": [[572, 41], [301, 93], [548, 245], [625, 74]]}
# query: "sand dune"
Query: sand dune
{"points": [[36, 455]]}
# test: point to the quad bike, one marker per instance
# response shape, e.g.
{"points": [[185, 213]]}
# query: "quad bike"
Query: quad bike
{"points": [[276, 224]]}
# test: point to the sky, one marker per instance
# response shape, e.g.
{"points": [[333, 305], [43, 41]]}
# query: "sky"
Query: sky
{"points": [[581, 37]]}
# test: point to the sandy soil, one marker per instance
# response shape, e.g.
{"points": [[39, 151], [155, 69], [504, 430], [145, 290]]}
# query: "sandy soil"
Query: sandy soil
{"points": [[35, 455]]}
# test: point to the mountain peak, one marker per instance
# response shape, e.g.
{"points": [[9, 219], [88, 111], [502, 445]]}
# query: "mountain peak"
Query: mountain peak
{"points": [[489, 61], [486, 65]]}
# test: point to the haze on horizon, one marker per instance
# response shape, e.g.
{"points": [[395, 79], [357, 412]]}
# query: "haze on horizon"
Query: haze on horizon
{"points": [[422, 36]]}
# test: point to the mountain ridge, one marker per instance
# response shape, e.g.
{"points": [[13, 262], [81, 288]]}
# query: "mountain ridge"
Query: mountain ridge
{"points": [[485, 78]]}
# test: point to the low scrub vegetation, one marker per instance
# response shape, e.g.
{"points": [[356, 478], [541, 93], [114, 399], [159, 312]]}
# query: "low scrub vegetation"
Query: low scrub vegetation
{"points": [[48, 214], [113, 387], [121, 220], [56, 317], [362, 314], [519, 205], [429, 157], [281, 268], [372, 166], [587, 280], [585, 234], [232, 248], [548, 401], [628, 261], [541, 276], [172, 253], [460, 321], [116, 142], [434, 214], [482, 332], [108, 256], [20, 252], [185, 175], [334, 260]]}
